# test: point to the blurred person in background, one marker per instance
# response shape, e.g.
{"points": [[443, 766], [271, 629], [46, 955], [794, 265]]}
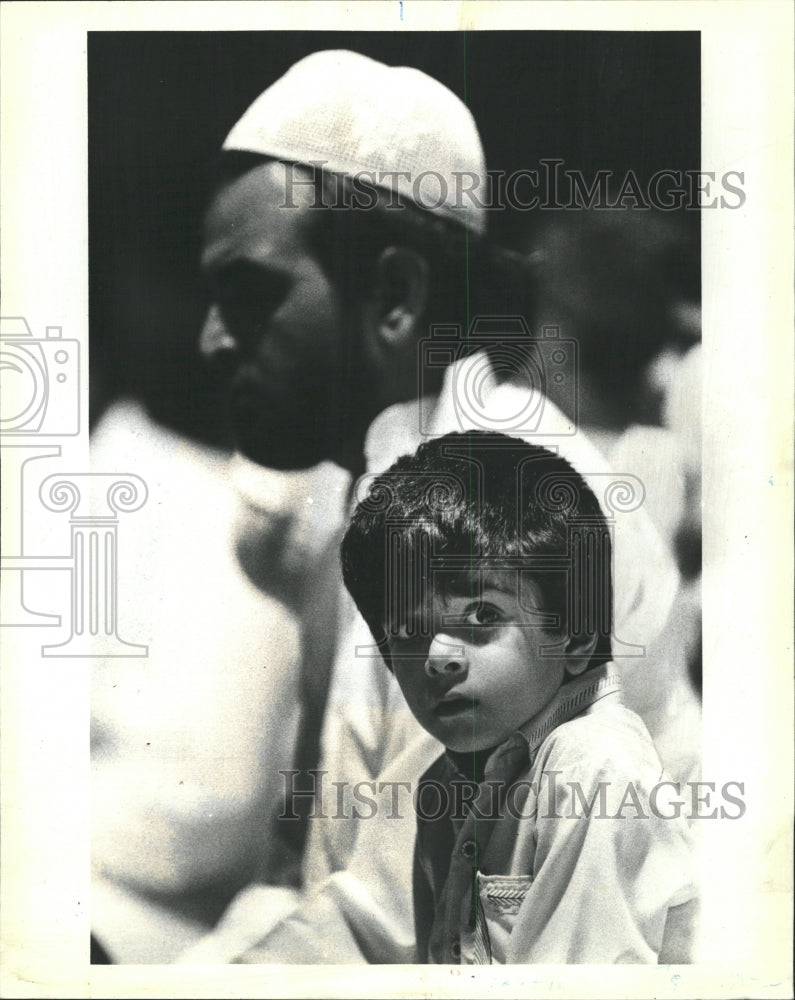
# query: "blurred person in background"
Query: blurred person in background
{"points": [[229, 574], [626, 286], [218, 575]]}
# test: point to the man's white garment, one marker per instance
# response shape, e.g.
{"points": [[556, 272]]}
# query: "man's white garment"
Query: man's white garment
{"points": [[187, 742]]}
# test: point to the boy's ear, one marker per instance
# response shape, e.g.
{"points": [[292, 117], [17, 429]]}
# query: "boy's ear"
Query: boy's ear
{"points": [[579, 651], [397, 301]]}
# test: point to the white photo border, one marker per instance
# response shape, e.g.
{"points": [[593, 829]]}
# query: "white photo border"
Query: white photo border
{"points": [[747, 103]]}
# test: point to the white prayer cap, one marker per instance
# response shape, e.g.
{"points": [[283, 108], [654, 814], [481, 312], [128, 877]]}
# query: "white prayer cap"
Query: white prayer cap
{"points": [[356, 115]]}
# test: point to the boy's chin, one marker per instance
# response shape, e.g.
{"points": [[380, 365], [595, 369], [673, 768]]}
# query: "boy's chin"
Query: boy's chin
{"points": [[474, 748], [463, 734], [470, 744]]}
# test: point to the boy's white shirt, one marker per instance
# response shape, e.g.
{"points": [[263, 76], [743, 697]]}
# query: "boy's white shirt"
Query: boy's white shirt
{"points": [[558, 882], [358, 873]]}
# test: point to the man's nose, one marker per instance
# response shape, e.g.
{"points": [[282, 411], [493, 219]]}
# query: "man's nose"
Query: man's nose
{"points": [[215, 338], [446, 658]]}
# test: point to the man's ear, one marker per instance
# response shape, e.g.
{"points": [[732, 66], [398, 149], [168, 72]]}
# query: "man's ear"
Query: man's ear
{"points": [[398, 300], [579, 651]]}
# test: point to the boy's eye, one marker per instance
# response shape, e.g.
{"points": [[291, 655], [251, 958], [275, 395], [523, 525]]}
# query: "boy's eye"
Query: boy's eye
{"points": [[484, 615]]}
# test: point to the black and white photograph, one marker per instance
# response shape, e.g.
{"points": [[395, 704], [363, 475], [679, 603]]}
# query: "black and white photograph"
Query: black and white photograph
{"points": [[396, 563]]}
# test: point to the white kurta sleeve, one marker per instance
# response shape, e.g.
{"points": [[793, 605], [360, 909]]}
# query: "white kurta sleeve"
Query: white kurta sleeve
{"points": [[603, 884], [364, 913]]}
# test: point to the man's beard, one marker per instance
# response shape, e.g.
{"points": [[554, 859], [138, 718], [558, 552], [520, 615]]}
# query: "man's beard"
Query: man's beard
{"points": [[279, 439], [329, 427]]}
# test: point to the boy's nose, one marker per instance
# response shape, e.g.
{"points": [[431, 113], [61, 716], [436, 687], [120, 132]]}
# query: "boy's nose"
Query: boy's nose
{"points": [[215, 339], [446, 658]]}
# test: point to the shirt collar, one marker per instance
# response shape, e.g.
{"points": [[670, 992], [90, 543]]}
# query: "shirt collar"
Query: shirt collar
{"points": [[571, 699]]}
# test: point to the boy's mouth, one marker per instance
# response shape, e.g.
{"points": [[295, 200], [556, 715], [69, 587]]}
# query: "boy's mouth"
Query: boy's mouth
{"points": [[454, 705]]}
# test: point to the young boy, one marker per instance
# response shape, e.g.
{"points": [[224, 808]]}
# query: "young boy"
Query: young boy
{"points": [[546, 831]]}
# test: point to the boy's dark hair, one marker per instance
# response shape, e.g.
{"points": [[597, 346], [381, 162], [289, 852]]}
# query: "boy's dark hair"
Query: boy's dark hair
{"points": [[471, 501]]}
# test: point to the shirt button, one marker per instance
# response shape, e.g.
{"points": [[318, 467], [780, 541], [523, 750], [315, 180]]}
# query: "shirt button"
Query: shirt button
{"points": [[455, 948], [469, 849]]}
